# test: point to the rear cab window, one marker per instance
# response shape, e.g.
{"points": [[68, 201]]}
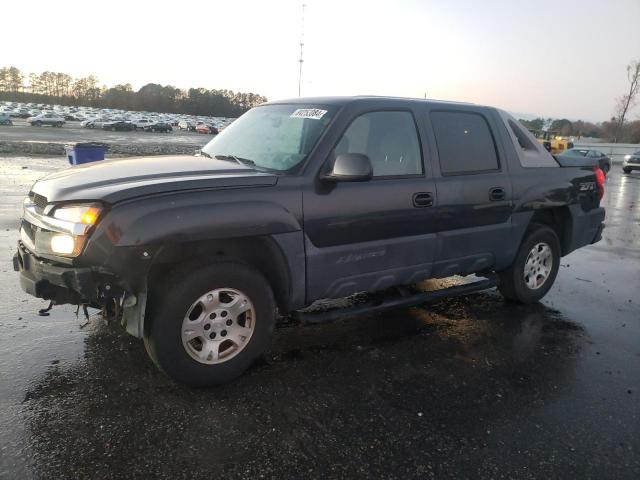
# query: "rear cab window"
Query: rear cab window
{"points": [[464, 142]]}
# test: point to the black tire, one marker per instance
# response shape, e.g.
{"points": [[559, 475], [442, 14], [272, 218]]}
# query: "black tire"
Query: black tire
{"points": [[626, 170], [37, 124], [512, 283], [169, 305]]}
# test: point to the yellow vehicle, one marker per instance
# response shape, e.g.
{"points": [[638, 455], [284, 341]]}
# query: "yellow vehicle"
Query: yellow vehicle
{"points": [[553, 142]]}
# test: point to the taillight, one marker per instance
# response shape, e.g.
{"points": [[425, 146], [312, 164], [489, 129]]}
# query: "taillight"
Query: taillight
{"points": [[599, 181]]}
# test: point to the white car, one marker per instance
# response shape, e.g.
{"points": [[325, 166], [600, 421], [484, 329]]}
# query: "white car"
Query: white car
{"points": [[140, 123], [99, 122], [48, 118]]}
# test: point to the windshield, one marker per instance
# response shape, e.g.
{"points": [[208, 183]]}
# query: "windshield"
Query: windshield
{"points": [[273, 137]]}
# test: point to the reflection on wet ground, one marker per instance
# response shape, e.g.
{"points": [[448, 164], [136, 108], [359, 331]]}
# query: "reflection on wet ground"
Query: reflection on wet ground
{"points": [[341, 399], [464, 388]]}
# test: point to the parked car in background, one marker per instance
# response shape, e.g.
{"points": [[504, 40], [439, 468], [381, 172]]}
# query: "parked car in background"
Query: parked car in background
{"points": [[5, 119], [141, 123], [99, 122], [187, 125], [604, 162], [49, 118], [119, 125], [631, 162], [93, 117], [162, 127], [203, 128]]}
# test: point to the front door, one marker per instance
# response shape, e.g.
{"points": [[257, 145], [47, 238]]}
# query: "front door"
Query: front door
{"points": [[364, 236]]}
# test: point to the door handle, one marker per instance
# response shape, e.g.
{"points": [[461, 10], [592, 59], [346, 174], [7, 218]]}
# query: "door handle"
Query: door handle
{"points": [[422, 199], [497, 193]]}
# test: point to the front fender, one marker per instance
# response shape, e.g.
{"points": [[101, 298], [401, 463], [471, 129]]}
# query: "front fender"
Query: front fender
{"points": [[128, 230], [201, 216], [184, 223]]}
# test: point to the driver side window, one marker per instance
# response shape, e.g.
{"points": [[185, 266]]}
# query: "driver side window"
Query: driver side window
{"points": [[389, 139]]}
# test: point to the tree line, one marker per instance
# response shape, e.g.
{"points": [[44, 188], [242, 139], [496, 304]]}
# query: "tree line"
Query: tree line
{"points": [[62, 89]]}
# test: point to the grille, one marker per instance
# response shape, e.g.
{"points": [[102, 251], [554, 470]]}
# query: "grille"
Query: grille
{"points": [[29, 230], [39, 201]]}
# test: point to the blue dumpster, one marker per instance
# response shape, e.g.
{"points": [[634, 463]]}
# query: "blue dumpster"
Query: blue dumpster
{"points": [[85, 152]]}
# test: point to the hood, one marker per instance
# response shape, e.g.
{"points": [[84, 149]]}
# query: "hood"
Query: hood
{"points": [[113, 181]]}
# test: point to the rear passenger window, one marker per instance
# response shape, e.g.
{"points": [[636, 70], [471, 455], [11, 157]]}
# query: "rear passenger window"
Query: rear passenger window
{"points": [[464, 142], [389, 139]]}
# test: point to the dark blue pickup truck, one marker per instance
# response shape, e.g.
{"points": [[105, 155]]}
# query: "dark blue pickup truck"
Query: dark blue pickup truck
{"points": [[301, 200]]}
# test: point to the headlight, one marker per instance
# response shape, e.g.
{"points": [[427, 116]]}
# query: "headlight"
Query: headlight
{"points": [[63, 244], [627, 157], [84, 214], [61, 232]]}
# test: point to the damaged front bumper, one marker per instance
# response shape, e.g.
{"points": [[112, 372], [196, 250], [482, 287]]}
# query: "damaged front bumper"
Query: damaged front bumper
{"points": [[79, 286], [60, 284]]}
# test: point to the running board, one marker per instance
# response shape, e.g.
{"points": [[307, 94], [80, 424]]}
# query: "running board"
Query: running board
{"points": [[395, 302]]}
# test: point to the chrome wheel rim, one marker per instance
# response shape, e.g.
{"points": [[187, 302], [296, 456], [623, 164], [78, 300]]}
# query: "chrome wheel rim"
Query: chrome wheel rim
{"points": [[538, 266], [218, 326]]}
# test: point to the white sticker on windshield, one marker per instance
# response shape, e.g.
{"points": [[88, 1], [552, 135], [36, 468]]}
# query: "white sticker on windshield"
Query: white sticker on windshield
{"points": [[313, 113]]}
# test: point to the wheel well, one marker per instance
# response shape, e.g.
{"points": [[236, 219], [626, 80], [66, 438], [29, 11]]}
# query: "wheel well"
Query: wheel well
{"points": [[560, 220], [261, 253]]}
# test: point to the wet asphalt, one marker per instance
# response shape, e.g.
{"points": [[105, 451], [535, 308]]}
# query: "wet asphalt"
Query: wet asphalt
{"points": [[464, 388]]}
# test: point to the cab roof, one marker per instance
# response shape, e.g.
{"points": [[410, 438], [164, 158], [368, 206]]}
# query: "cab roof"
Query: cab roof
{"points": [[378, 100]]}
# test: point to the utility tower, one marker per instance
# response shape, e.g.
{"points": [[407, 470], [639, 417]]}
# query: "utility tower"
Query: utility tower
{"points": [[301, 60]]}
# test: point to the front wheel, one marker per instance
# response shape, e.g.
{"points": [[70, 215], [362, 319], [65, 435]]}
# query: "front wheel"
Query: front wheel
{"points": [[626, 170], [535, 267], [208, 326]]}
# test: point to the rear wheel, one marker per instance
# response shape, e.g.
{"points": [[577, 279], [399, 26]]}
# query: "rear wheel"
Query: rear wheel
{"points": [[207, 326], [535, 267]]}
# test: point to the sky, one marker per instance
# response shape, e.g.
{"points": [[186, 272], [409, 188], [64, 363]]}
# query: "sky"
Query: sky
{"points": [[549, 58]]}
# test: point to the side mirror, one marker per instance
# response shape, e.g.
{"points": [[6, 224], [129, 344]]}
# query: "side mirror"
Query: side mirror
{"points": [[350, 167]]}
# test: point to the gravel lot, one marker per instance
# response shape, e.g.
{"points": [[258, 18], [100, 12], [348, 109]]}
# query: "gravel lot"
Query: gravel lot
{"points": [[466, 388]]}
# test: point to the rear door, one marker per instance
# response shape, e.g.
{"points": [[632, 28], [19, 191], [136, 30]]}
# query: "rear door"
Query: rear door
{"points": [[474, 191], [364, 236]]}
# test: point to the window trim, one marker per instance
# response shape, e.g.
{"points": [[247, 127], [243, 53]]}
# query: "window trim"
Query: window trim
{"points": [[422, 174], [465, 172]]}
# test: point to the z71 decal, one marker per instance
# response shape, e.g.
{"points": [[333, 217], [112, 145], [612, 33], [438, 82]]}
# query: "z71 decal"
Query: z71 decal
{"points": [[587, 186]]}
